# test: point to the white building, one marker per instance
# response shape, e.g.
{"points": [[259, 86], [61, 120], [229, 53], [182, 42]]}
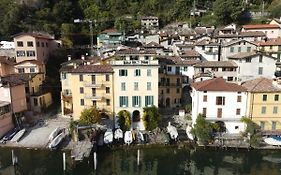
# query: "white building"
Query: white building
{"points": [[219, 101], [150, 22], [135, 82], [252, 65], [7, 45], [270, 30], [208, 50]]}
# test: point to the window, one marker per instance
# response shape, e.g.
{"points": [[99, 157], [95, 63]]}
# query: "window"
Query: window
{"points": [[264, 98], [29, 43], [263, 110], [204, 112], [248, 60], [220, 100], [137, 72], [149, 100], [239, 49], [123, 86], [21, 70], [205, 98], [273, 126], [30, 53], [123, 72], [94, 103], [35, 101], [229, 78], [169, 69], [63, 76], [123, 101], [260, 58], [231, 49], [146, 57], [167, 90], [107, 77], [81, 90], [248, 49], [42, 44], [32, 70], [262, 125], [239, 98], [93, 78], [219, 112], [47, 44], [148, 86], [19, 43], [238, 111], [136, 86], [185, 68], [275, 109], [94, 92], [107, 90], [276, 97], [37, 44], [136, 101], [20, 53], [108, 102], [148, 73], [178, 90], [80, 77], [81, 102]]}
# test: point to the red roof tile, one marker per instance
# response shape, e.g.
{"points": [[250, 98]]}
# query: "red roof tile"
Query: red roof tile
{"points": [[261, 26]]}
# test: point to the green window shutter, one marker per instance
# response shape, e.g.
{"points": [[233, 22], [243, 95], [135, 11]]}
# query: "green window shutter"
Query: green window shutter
{"points": [[139, 101], [120, 101], [152, 100], [126, 101]]}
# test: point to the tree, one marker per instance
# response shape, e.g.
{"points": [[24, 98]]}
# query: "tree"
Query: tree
{"points": [[228, 11], [124, 120], [151, 117], [90, 116], [252, 131], [202, 130]]}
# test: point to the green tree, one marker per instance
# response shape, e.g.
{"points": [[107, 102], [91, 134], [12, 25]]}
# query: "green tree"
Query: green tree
{"points": [[124, 120], [202, 130], [228, 11], [252, 131], [151, 117], [90, 116]]}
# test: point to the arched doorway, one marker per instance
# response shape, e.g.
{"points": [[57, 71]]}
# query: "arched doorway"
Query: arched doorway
{"points": [[168, 103], [104, 115], [136, 116]]}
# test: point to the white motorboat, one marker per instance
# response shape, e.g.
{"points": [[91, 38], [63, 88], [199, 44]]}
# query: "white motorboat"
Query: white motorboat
{"points": [[128, 138], [140, 136], [172, 131], [118, 134], [188, 132], [18, 136], [272, 141], [108, 137], [54, 134], [57, 140]]}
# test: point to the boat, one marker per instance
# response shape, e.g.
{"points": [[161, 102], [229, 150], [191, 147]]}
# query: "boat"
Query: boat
{"points": [[140, 136], [19, 135], [275, 141], [54, 134], [57, 140], [128, 138], [172, 131], [9, 135], [108, 137], [188, 132], [118, 134]]}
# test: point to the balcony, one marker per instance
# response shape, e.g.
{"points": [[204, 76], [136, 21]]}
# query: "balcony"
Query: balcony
{"points": [[93, 97], [93, 84]]}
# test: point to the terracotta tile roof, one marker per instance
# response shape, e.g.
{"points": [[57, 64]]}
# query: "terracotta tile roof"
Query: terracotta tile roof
{"points": [[217, 84], [6, 60], [17, 79], [272, 42], [112, 30], [244, 55], [261, 26], [91, 69], [190, 62], [153, 45], [216, 64], [31, 61], [35, 35], [260, 85], [175, 60], [226, 36], [252, 33], [234, 41], [205, 42], [136, 52], [190, 53]]}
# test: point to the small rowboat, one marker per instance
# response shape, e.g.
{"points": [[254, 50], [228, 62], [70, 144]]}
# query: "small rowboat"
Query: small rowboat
{"points": [[54, 134], [108, 137], [18, 136], [128, 138], [56, 141]]}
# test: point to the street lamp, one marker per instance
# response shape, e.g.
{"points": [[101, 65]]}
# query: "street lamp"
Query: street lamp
{"points": [[91, 31]]}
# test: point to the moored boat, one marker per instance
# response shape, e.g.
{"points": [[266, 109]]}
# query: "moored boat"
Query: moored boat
{"points": [[108, 137], [172, 131], [275, 141], [54, 134], [57, 140], [118, 134], [19, 135], [188, 132], [128, 138]]}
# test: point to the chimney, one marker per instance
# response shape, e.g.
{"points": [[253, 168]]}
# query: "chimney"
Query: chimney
{"points": [[68, 57], [82, 57]]}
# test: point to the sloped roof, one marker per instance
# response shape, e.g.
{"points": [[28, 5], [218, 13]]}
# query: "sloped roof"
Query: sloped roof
{"points": [[260, 85], [244, 55], [31, 61], [176, 60], [271, 42], [216, 64], [190, 53], [91, 69], [136, 51], [261, 26], [217, 84], [252, 33], [232, 42], [153, 44], [5, 60], [17, 79], [35, 35]]}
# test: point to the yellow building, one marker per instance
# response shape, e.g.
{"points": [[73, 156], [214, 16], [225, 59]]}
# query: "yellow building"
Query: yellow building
{"points": [[272, 47], [170, 82], [85, 85], [264, 103]]}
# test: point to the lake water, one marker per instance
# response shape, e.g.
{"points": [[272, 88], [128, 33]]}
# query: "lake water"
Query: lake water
{"points": [[153, 161]]}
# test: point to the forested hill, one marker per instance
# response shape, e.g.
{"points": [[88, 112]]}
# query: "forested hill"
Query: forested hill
{"points": [[56, 16]]}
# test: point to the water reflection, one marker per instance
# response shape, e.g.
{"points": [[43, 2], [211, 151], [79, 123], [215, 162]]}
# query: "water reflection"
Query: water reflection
{"points": [[162, 161]]}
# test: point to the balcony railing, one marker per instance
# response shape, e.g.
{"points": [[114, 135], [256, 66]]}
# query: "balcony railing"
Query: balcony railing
{"points": [[93, 84], [93, 97]]}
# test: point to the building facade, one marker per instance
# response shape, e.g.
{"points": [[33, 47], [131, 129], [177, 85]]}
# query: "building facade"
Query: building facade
{"points": [[6, 122]]}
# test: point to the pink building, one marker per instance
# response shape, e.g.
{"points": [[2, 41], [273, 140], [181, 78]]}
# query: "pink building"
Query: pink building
{"points": [[270, 30], [6, 66], [6, 122]]}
